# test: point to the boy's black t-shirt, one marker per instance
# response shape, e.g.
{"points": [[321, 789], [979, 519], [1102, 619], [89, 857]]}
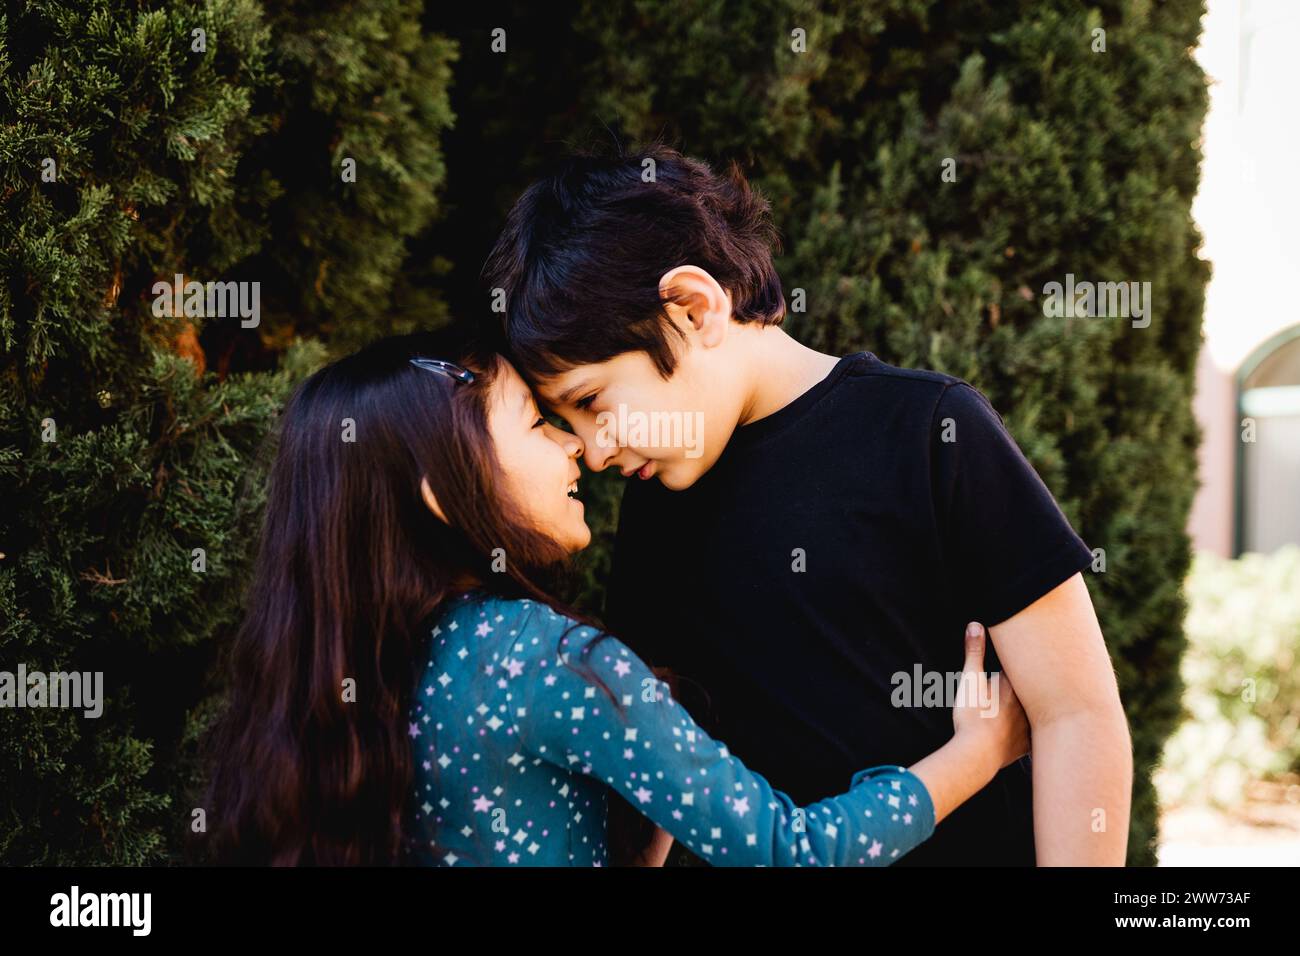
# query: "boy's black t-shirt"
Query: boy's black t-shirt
{"points": [[838, 547]]}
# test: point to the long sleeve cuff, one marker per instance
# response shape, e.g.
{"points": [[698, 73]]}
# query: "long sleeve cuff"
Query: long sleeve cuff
{"points": [[914, 798]]}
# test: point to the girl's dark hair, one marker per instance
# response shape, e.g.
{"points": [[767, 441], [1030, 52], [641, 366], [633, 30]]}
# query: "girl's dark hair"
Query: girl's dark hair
{"points": [[584, 248], [351, 570]]}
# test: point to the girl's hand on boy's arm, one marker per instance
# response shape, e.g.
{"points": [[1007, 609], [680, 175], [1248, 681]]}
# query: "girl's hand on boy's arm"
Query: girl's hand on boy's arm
{"points": [[991, 732]]}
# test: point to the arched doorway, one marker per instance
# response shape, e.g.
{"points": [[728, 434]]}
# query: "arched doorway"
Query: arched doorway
{"points": [[1268, 468]]}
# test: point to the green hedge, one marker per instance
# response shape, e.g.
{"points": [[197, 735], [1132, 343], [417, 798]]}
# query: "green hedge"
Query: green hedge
{"points": [[226, 165], [215, 154]]}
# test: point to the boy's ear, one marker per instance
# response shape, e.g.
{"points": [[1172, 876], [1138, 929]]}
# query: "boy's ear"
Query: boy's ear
{"points": [[431, 500], [694, 300]]}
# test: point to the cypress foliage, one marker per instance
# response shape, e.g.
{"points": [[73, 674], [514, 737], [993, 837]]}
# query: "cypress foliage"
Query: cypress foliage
{"points": [[205, 141], [228, 164]]}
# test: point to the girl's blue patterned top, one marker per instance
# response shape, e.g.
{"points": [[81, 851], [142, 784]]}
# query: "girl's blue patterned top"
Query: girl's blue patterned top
{"points": [[516, 750]]}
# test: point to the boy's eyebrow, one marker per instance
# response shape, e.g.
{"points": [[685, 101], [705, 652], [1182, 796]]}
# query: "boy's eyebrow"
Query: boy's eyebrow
{"points": [[567, 396]]}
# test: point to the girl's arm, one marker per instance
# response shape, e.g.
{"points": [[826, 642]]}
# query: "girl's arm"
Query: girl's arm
{"points": [[656, 757]]}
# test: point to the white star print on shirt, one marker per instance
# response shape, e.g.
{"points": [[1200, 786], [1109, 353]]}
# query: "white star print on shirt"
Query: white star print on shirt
{"points": [[549, 761]]}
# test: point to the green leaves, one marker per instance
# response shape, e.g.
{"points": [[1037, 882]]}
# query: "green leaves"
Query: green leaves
{"points": [[127, 155]]}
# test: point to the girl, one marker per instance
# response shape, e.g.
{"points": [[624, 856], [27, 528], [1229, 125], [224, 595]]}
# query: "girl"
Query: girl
{"points": [[404, 689]]}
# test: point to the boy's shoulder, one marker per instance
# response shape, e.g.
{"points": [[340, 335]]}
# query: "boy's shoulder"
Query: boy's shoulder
{"points": [[918, 392], [867, 365]]}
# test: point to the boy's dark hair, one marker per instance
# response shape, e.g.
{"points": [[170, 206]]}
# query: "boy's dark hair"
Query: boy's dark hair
{"points": [[584, 248]]}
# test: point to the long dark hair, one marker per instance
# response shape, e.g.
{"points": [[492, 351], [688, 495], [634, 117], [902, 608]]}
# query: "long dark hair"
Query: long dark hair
{"points": [[310, 763]]}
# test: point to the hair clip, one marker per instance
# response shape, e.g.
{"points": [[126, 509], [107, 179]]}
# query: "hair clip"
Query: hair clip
{"points": [[446, 368]]}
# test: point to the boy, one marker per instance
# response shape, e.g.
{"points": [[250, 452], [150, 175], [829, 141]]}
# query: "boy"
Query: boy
{"points": [[810, 557]]}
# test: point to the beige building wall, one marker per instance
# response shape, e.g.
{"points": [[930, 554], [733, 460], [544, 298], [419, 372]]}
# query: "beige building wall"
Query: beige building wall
{"points": [[1211, 522], [1248, 210]]}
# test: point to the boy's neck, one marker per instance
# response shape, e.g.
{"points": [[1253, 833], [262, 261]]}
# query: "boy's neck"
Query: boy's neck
{"points": [[780, 370]]}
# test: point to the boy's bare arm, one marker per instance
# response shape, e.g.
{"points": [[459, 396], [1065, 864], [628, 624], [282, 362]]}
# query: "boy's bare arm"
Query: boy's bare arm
{"points": [[1082, 754]]}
